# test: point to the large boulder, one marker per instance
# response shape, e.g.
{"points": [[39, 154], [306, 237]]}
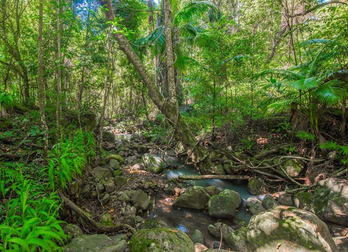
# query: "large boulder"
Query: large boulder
{"points": [[160, 240], [283, 228], [97, 243], [224, 204], [332, 200], [195, 197]]}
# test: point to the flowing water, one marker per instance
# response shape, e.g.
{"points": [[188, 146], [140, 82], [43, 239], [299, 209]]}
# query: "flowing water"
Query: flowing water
{"points": [[188, 220]]}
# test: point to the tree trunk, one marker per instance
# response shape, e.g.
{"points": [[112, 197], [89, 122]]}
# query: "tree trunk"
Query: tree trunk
{"points": [[41, 85], [59, 70], [169, 52], [170, 110]]}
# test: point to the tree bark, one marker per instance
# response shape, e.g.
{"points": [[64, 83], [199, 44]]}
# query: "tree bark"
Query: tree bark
{"points": [[169, 52]]}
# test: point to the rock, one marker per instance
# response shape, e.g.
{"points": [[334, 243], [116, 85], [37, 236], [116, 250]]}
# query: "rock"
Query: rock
{"points": [[123, 137], [72, 230], [269, 202], [197, 237], [96, 243], [218, 228], [140, 199], [154, 223], [117, 157], [120, 181], [106, 198], [224, 204], [160, 240], [101, 173], [217, 169], [110, 185], [285, 199], [100, 188], [283, 228], [293, 167], [120, 247], [153, 163], [106, 219], [256, 186], [195, 197], [86, 190], [124, 196], [212, 190], [200, 247], [254, 206], [108, 137], [114, 164], [331, 200]]}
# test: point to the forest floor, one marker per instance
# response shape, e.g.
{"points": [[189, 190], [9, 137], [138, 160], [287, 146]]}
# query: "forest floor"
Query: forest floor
{"points": [[130, 182]]}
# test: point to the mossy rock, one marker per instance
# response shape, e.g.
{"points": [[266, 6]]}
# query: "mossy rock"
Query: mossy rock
{"points": [[256, 186], [224, 204], [160, 240], [195, 198], [117, 157], [283, 228]]}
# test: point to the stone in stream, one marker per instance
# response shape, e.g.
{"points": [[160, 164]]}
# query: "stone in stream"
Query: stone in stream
{"points": [[160, 240], [224, 204], [197, 236], [254, 206], [195, 198], [283, 229], [269, 202], [219, 229], [97, 243], [256, 186]]}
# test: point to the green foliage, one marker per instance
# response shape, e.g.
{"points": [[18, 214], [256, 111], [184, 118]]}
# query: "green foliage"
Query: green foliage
{"points": [[305, 136], [68, 158], [7, 100], [341, 149], [30, 222]]}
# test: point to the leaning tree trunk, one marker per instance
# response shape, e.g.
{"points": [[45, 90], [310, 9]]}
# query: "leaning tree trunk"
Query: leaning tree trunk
{"points": [[169, 109]]}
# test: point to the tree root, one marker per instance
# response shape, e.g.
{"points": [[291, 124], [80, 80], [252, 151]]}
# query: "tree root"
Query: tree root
{"points": [[96, 226]]}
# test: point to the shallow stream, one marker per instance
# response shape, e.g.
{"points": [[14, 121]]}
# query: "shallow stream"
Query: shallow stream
{"points": [[188, 220]]}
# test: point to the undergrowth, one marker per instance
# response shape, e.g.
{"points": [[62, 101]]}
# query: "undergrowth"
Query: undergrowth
{"points": [[29, 207]]}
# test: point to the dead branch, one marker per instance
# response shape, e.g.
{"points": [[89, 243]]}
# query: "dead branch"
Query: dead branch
{"points": [[227, 177], [94, 224]]}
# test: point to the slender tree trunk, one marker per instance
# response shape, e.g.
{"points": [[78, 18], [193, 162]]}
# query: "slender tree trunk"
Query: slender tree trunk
{"points": [[59, 70], [41, 85], [170, 110], [169, 53], [107, 85]]}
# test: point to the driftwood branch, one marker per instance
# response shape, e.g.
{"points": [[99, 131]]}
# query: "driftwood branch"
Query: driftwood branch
{"points": [[227, 177], [94, 224]]}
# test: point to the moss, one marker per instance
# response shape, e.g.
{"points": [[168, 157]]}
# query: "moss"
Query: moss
{"points": [[160, 239], [116, 157]]}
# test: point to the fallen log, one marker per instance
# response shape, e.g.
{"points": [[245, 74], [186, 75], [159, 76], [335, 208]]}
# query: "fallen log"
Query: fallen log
{"points": [[227, 177], [94, 224]]}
